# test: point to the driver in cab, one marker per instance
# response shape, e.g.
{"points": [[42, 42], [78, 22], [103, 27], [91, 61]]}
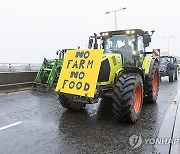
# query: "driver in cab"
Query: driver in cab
{"points": [[126, 47]]}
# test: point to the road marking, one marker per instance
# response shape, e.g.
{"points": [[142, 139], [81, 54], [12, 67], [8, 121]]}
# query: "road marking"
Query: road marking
{"points": [[11, 125]]}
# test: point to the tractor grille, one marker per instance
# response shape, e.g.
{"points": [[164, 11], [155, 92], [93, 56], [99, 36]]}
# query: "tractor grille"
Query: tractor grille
{"points": [[104, 71]]}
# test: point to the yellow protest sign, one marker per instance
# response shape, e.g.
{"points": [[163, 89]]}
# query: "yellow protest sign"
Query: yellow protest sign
{"points": [[80, 72]]}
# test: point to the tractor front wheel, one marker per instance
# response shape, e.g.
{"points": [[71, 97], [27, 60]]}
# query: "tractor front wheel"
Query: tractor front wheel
{"points": [[128, 97], [68, 104]]}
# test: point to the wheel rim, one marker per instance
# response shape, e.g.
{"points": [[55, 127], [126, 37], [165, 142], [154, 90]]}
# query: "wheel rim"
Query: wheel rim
{"points": [[137, 103], [155, 83]]}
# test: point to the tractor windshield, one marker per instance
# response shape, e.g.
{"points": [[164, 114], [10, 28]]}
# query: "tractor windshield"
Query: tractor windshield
{"points": [[165, 60], [119, 44]]}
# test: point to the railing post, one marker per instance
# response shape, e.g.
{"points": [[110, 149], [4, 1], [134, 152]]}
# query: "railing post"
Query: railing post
{"points": [[10, 67], [29, 67]]}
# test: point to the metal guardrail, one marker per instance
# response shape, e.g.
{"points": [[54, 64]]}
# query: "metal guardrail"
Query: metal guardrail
{"points": [[19, 67], [17, 75]]}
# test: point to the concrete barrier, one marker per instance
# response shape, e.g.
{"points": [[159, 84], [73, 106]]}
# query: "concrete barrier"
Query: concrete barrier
{"points": [[175, 148], [169, 132], [16, 79]]}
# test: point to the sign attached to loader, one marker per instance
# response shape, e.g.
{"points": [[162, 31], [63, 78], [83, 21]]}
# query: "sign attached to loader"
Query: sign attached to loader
{"points": [[80, 72]]}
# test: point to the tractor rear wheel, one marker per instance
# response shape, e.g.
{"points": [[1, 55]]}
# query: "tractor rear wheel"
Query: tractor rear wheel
{"points": [[171, 76], [152, 84], [69, 104], [128, 97], [176, 74]]}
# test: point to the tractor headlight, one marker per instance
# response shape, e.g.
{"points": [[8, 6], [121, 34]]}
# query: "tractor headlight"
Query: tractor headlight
{"points": [[127, 32], [105, 34], [132, 32], [141, 55], [134, 53]]}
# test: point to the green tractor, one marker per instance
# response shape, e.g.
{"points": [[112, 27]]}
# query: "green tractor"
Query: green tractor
{"points": [[127, 75]]}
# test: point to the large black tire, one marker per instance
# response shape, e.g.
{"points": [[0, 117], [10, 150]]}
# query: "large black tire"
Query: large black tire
{"points": [[128, 97], [171, 76], [176, 74], [151, 84], [69, 104]]}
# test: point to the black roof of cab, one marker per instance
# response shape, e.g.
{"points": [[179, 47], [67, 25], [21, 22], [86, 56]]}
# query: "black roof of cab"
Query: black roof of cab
{"points": [[124, 32]]}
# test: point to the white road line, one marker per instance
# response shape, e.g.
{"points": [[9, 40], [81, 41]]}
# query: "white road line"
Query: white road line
{"points": [[11, 125]]}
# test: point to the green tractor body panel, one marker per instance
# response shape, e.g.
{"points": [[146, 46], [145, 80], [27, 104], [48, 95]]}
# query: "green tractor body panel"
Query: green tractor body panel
{"points": [[146, 64], [47, 74], [111, 65], [115, 67]]}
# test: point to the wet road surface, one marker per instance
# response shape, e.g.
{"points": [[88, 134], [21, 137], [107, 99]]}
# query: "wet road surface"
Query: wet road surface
{"points": [[45, 127]]}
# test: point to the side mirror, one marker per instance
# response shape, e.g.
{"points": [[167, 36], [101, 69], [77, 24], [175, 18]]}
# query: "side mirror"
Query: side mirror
{"points": [[57, 52], [90, 43], [146, 40]]}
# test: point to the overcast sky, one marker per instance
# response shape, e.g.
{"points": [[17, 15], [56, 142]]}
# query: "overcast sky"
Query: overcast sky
{"points": [[31, 30]]}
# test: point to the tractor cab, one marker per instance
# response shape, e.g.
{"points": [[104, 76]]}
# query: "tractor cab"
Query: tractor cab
{"points": [[130, 44], [167, 59]]}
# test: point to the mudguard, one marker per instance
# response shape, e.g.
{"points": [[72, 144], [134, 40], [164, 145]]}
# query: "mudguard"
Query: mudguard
{"points": [[148, 64]]}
